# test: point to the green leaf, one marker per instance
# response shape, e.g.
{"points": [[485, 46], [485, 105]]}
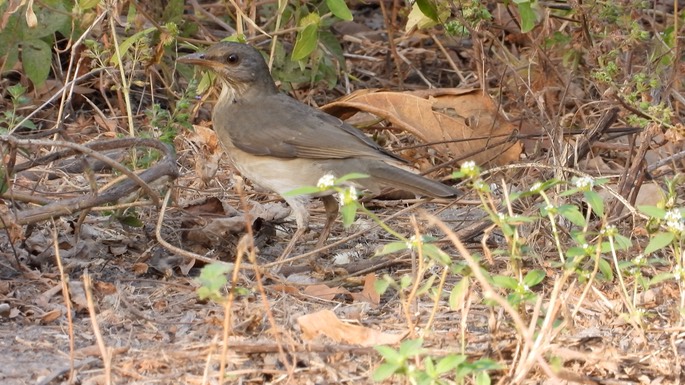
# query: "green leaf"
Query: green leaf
{"points": [[88, 4], [426, 285], [11, 56], [575, 251], [131, 220], [352, 175], [307, 37], [212, 278], [339, 9], [205, 83], [661, 277], [4, 180], [384, 371], [36, 58], [606, 270], [504, 282], [411, 348], [332, 44], [348, 213], [11, 34], [652, 211], [659, 241], [534, 277], [621, 242], [380, 286], [528, 17], [389, 354], [173, 11], [429, 9], [483, 378], [306, 190], [595, 201], [449, 362], [128, 43], [51, 17], [436, 254], [458, 294], [573, 214], [405, 281], [392, 247], [429, 367]]}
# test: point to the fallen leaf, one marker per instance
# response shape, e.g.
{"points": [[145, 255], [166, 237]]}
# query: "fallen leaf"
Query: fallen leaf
{"points": [[78, 295], [109, 124], [369, 293], [465, 122], [140, 268], [326, 323], [106, 288], [287, 289], [50, 316], [324, 292], [209, 153]]}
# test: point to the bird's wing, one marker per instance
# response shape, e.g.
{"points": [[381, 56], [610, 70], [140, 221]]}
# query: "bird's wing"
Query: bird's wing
{"points": [[280, 126]]}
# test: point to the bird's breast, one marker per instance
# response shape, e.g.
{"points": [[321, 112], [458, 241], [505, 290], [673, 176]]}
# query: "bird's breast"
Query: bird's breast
{"points": [[276, 174]]}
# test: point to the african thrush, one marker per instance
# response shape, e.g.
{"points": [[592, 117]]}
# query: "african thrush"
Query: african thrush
{"points": [[282, 144]]}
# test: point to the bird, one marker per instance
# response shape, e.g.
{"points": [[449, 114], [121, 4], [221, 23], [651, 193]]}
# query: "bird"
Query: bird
{"points": [[281, 144]]}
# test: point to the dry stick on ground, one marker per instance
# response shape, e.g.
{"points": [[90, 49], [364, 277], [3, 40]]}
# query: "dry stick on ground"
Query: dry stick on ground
{"points": [[105, 351], [67, 301], [169, 246], [585, 142], [164, 168], [631, 181]]}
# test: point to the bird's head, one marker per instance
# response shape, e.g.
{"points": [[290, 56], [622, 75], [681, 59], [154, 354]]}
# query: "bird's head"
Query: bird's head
{"points": [[238, 66]]}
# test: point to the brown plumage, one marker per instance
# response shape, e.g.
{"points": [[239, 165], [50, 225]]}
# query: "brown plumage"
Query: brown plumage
{"points": [[282, 144]]}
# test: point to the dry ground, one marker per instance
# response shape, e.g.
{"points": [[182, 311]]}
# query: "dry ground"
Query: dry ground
{"points": [[133, 315]]}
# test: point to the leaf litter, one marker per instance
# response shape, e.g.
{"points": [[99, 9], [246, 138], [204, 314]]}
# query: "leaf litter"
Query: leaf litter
{"points": [[159, 331]]}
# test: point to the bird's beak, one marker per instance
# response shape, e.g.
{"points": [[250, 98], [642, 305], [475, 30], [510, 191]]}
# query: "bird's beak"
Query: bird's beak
{"points": [[201, 59], [197, 58]]}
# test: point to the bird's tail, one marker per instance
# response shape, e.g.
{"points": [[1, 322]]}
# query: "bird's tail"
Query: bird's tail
{"points": [[390, 176]]}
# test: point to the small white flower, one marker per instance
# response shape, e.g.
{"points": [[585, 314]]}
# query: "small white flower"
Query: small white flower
{"points": [[536, 187], [609, 230], [674, 221], [480, 185], [470, 169], [638, 260], [673, 215], [325, 182], [348, 196], [411, 242], [469, 165], [585, 183]]}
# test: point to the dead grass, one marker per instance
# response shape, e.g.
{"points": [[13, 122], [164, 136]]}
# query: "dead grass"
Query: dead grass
{"points": [[132, 314]]}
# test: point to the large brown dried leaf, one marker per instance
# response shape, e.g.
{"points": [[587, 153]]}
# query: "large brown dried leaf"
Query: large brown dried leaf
{"points": [[325, 322], [467, 117], [207, 159]]}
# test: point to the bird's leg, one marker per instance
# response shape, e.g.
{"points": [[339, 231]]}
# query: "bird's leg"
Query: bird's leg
{"points": [[299, 208], [331, 206], [293, 241]]}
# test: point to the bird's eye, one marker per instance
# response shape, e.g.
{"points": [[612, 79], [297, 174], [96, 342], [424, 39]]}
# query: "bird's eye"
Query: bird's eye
{"points": [[232, 59]]}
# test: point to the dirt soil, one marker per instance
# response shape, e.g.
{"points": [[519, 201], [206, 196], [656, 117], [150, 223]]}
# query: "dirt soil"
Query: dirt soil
{"points": [[133, 266]]}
